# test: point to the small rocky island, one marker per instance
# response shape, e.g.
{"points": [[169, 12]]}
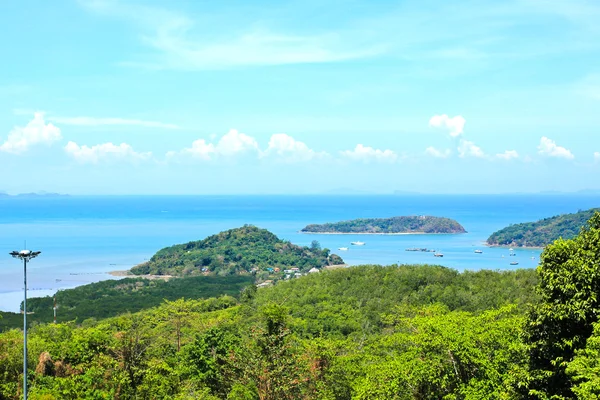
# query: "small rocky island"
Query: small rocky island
{"points": [[420, 224]]}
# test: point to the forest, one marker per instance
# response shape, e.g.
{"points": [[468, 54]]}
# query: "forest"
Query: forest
{"points": [[368, 332], [411, 224], [543, 232], [113, 297], [236, 251]]}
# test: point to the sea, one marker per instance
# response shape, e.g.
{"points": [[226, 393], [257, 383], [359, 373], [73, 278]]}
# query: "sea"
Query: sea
{"points": [[83, 238]]}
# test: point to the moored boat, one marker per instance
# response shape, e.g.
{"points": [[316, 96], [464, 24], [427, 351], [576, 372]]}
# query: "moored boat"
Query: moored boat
{"points": [[357, 243]]}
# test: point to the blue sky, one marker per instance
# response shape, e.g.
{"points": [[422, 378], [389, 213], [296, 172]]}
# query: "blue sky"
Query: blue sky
{"points": [[198, 97]]}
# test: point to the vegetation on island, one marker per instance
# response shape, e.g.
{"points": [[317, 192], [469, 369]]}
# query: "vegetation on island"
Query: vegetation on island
{"points": [[543, 232], [411, 224], [399, 332], [236, 251]]}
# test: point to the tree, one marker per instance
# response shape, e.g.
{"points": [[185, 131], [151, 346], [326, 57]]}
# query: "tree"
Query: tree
{"points": [[178, 313], [315, 246], [562, 321]]}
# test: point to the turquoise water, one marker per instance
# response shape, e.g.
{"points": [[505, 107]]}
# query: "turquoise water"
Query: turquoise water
{"points": [[83, 238]]}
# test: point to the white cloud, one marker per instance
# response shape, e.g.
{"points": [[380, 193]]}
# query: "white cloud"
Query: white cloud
{"points": [[35, 132], [92, 121], [96, 153], [176, 41], [233, 143], [290, 149], [455, 125], [508, 155], [467, 148], [199, 149], [597, 156], [366, 154], [549, 148], [432, 151]]}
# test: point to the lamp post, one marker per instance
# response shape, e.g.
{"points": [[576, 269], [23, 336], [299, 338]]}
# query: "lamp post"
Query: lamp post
{"points": [[26, 256]]}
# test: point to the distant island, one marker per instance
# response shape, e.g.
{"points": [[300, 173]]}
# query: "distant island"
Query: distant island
{"points": [[35, 194], [543, 232], [395, 225], [237, 251]]}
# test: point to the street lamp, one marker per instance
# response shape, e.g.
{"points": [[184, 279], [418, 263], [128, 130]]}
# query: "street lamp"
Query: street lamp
{"points": [[26, 256]]}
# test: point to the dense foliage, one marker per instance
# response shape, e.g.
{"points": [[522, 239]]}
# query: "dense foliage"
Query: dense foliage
{"points": [[563, 320], [543, 232], [114, 297], [236, 251], [411, 224], [366, 333]]}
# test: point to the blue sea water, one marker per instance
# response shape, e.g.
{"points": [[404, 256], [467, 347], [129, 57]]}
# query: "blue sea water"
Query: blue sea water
{"points": [[83, 238]]}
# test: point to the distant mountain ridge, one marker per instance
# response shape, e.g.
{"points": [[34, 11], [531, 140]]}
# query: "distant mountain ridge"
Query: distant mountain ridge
{"points": [[543, 232]]}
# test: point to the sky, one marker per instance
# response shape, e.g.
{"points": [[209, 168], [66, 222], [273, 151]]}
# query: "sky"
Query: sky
{"points": [[299, 97]]}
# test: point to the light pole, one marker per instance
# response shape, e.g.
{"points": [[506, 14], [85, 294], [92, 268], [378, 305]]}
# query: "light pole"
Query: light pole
{"points": [[26, 256]]}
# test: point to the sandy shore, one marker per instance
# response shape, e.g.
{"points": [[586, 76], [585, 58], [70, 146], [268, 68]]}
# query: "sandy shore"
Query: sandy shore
{"points": [[130, 275], [514, 247], [378, 233]]}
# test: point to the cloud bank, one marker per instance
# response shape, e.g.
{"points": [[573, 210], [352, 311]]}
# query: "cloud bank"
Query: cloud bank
{"points": [[549, 148], [99, 152], [454, 125], [20, 139], [368, 154]]}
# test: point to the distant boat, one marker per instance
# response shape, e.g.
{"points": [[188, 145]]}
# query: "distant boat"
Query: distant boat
{"points": [[512, 254], [343, 249], [478, 251], [510, 249], [514, 263], [357, 243], [438, 255]]}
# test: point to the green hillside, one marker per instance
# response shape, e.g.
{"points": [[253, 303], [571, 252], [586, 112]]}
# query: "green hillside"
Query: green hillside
{"points": [[236, 251], [543, 232], [411, 224]]}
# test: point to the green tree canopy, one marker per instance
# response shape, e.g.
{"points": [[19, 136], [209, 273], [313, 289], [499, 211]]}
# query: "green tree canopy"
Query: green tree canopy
{"points": [[562, 321]]}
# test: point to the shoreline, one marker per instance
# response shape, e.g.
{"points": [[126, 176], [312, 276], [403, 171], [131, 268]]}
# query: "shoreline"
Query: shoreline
{"points": [[498, 246], [127, 274], [379, 233]]}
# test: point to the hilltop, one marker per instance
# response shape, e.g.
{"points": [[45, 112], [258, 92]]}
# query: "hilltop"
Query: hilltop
{"points": [[394, 225], [236, 251], [543, 232]]}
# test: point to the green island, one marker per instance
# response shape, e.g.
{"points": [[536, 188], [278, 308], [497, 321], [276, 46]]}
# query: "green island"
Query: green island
{"points": [[543, 232], [395, 225], [403, 332], [243, 250]]}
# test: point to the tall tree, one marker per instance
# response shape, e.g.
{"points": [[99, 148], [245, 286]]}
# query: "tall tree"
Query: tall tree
{"points": [[562, 321]]}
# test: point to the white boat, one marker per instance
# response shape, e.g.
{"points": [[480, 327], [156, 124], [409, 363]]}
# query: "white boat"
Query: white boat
{"points": [[510, 249], [478, 252], [343, 249], [357, 243], [438, 255]]}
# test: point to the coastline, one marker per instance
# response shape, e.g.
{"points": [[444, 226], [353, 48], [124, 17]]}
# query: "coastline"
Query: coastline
{"points": [[498, 246], [127, 274], [378, 233]]}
